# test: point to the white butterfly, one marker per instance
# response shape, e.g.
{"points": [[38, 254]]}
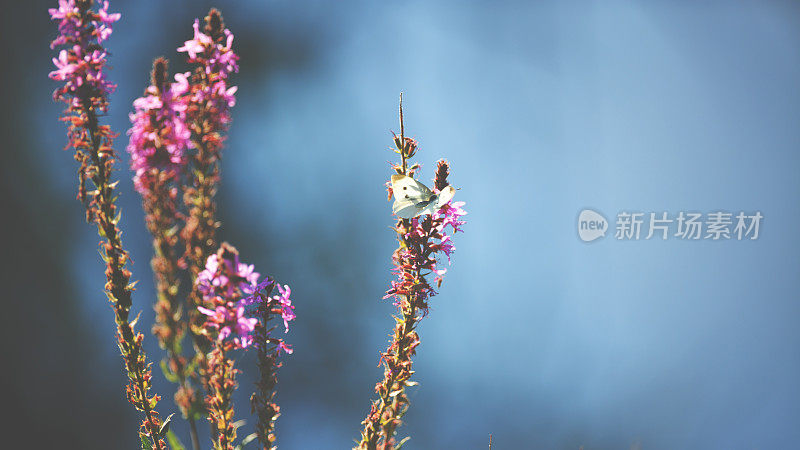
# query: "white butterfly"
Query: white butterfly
{"points": [[412, 198]]}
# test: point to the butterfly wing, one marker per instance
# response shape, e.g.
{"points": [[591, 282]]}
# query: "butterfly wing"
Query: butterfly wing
{"points": [[405, 209], [430, 208], [408, 188], [445, 196], [412, 198]]}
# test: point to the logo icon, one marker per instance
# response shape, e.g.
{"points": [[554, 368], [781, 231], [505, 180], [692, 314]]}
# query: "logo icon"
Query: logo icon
{"points": [[591, 225]]}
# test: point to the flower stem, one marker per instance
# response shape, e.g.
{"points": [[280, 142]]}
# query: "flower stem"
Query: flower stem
{"points": [[222, 383], [117, 286], [170, 328], [263, 399], [386, 412]]}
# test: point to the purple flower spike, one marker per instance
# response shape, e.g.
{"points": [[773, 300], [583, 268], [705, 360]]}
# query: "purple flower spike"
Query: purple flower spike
{"points": [[80, 66], [159, 135], [231, 286]]}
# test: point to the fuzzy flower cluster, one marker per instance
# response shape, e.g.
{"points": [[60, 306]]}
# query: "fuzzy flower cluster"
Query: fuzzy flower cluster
{"points": [[225, 274], [80, 65], [230, 319], [216, 56], [269, 349], [425, 238], [159, 136], [236, 300], [275, 305], [212, 50], [448, 215], [222, 284]]}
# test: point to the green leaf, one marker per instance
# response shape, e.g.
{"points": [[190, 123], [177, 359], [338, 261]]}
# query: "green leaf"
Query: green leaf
{"points": [[165, 426], [403, 441], [192, 366], [174, 442], [168, 374], [136, 319], [249, 438]]}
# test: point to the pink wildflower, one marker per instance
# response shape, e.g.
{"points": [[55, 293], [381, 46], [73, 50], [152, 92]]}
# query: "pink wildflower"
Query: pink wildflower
{"points": [[80, 66], [231, 320], [223, 284], [159, 136]]}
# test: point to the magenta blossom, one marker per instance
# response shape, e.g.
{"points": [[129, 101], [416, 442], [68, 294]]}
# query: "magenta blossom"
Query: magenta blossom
{"points": [[229, 288], [218, 57], [231, 320], [212, 51], [198, 43], [427, 238], [450, 214], [73, 21], [269, 306], [287, 310], [284, 347], [223, 279], [80, 66], [159, 136]]}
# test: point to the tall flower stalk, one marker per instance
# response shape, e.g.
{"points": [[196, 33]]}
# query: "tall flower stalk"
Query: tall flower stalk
{"points": [[235, 318], [269, 348], [80, 66], [208, 115], [223, 284], [422, 240], [159, 140]]}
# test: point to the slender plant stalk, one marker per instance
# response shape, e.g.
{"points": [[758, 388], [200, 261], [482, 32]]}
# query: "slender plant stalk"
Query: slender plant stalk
{"points": [[170, 327], [93, 144], [222, 382], [118, 286], [420, 239], [158, 143], [262, 401], [85, 91], [199, 235], [387, 411], [230, 288], [208, 117]]}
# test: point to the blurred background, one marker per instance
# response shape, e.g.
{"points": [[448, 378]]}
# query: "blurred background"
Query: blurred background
{"points": [[543, 109]]}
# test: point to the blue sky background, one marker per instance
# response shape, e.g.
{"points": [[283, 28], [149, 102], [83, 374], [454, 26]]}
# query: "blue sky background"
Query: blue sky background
{"points": [[542, 109]]}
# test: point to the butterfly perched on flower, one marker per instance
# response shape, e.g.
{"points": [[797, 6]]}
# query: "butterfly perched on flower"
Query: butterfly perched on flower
{"points": [[412, 198]]}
